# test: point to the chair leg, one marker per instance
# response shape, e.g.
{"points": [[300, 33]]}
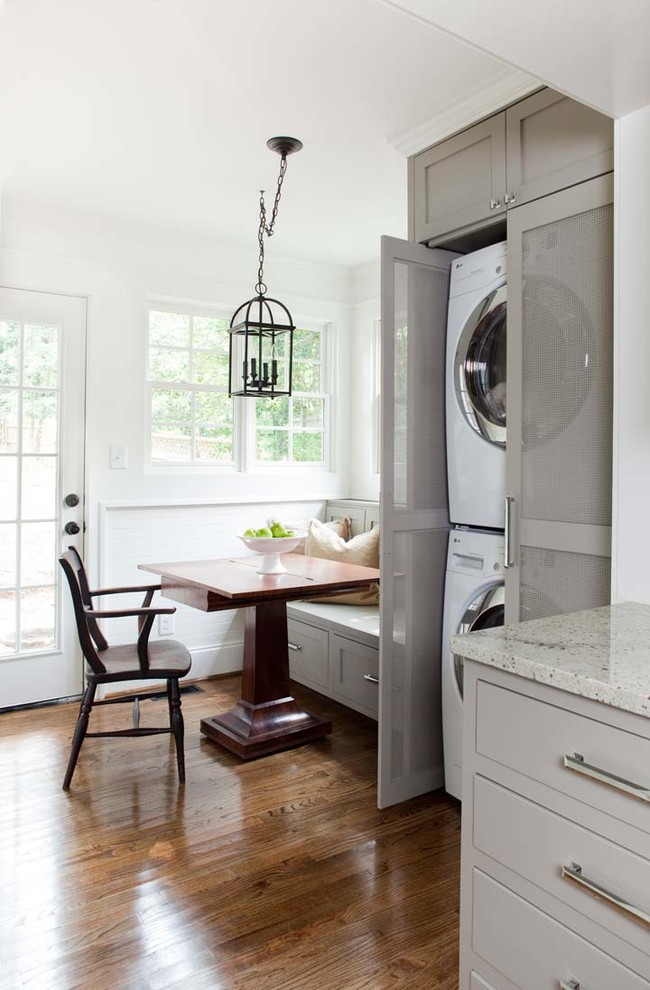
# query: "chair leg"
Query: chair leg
{"points": [[177, 725], [79, 732]]}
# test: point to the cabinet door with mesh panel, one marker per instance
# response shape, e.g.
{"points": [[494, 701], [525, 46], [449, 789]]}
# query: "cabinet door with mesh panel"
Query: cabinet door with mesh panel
{"points": [[559, 367], [414, 517]]}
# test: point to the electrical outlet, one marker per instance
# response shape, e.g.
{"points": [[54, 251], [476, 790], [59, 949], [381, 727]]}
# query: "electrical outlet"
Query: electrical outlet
{"points": [[165, 625]]}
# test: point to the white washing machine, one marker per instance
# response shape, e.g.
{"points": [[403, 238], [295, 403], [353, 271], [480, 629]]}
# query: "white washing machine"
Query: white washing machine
{"points": [[476, 387], [474, 599]]}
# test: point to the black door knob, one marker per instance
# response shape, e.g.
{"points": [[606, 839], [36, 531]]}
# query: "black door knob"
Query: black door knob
{"points": [[71, 500], [71, 528]]}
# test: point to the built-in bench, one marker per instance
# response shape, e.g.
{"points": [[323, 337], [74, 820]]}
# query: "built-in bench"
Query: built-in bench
{"points": [[334, 649]]}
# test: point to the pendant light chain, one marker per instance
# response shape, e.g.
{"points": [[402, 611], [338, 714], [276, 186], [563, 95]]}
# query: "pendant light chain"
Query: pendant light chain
{"points": [[260, 288]]}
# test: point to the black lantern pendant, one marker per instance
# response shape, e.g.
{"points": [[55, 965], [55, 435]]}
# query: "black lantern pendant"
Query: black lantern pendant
{"points": [[261, 330]]}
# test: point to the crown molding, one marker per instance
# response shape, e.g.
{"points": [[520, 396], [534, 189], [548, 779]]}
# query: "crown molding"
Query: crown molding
{"points": [[506, 88]]}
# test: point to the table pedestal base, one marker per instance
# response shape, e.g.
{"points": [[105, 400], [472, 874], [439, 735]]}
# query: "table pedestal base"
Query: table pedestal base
{"points": [[250, 730]]}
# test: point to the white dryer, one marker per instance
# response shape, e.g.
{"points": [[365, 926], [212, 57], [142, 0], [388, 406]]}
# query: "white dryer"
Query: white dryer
{"points": [[474, 599], [476, 387]]}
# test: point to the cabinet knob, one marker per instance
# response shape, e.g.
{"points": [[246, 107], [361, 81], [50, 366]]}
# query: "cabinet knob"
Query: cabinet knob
{"points": [[510, 198], [495, 204]]}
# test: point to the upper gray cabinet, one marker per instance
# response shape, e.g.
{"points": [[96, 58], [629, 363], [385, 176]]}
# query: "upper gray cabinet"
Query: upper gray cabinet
{"points": [[545, 143], [553, 143], [462, 181]]}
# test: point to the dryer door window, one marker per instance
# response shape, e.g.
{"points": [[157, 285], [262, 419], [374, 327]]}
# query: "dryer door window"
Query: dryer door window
{"points": [[480, 368], [485, 611]]}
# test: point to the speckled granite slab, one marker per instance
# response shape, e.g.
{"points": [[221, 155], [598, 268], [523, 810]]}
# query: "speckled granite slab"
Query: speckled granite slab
{"points": [[603, 653]]}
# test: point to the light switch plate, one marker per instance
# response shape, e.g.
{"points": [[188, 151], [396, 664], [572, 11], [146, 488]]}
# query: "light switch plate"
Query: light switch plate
{"points": [[118, 456]]}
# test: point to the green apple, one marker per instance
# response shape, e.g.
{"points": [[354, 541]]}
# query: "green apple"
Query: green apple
{"points": [[264, 532], [278, 530], [250, 532]]}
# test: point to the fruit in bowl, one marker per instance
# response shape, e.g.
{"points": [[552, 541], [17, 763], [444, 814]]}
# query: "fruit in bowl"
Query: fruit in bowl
{"points": [[270, 545]]}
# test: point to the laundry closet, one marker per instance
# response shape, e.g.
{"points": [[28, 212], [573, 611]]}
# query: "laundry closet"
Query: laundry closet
{"points": [[520, 205]]}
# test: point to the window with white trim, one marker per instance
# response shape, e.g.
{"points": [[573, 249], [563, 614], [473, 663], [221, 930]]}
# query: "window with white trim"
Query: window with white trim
{"points": [[192, 420]]}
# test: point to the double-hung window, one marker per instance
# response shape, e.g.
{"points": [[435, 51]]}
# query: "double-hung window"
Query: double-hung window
{"points": [[193, 422]]}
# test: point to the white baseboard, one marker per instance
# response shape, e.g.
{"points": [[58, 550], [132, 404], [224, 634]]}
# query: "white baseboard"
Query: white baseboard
{"points": [[210, 660]]}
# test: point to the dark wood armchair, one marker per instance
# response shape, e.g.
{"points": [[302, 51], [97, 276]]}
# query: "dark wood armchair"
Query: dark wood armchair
{"points": [[106, 664]]}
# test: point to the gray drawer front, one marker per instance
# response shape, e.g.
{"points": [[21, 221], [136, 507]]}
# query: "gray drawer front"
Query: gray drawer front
{"points": [[477, 982], [308, 662], [352, 665], [536, 843], [533, 738], [534, 951]]}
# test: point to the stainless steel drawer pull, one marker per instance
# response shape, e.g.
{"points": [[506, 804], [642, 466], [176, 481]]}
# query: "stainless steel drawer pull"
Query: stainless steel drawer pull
{"points": [[372, 678], [571, 985], [292, 646], [575, 875], [577, 762]]}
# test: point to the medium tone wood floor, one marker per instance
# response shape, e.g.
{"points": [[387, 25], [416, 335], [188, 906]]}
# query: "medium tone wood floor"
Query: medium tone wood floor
{"points": [[278, 874]]}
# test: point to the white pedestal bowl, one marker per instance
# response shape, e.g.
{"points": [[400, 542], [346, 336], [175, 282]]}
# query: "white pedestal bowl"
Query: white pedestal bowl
{"points": [[271, 549]]}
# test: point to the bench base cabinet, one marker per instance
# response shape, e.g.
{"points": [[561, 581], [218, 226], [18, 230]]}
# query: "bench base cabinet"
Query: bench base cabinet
{"points": [[555, 889], [335, 665]]}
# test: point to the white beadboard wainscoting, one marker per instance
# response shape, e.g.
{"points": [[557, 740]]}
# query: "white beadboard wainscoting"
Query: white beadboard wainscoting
{"points": [[132, 533]]}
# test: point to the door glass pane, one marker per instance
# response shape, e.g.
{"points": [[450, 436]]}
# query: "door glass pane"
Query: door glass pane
{"points": [[8, 420], [41, 356], [8, 555], [7, 622], [9, 351], [8, 488], [39, 487], [37, 557], [40, 422], [30, 358], [37, 619]]}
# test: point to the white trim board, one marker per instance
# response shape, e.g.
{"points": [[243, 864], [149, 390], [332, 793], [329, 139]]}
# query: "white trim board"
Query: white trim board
{"points": [[511, 85]]}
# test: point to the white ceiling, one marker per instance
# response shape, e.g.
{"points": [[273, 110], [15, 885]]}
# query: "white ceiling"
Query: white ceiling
{"points": [[594, 50], [157, 112]]}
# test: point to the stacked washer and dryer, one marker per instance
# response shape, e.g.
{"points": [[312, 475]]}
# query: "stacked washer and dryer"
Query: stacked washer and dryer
{"points": [[476, 440]]}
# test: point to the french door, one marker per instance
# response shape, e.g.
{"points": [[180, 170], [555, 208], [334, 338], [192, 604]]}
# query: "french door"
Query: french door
{"points": [[42, 416]]}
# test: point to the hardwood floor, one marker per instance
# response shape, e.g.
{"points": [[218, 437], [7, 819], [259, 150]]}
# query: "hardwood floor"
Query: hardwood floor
{"points": [[279, 873]]}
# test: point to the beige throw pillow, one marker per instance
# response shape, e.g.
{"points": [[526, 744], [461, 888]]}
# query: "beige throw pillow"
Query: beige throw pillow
{"points": [[341, 527], [362, 550]]}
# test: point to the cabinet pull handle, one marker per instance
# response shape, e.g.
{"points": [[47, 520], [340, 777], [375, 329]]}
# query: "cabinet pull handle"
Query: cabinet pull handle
{"points": [[510, 198], [508, 560], [577, 763], [569, 985], [575, 875], [372, 678], [495, 204], [292, 646]]}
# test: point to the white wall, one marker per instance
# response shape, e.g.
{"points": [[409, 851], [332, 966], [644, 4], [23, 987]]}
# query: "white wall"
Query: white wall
{"points": [[631, 523], [120, 270]]}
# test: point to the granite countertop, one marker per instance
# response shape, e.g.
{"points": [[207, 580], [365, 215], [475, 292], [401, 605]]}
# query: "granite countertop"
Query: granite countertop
{"points": [[602, 653]]}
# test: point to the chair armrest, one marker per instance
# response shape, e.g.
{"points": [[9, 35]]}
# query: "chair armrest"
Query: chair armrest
{"points": [[124, 613], [123, 591]]}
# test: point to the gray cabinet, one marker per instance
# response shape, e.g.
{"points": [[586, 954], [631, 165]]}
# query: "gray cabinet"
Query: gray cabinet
{"points": [[542, 144], [461, 182], [553, 143], [540, 839], [560, 382]]}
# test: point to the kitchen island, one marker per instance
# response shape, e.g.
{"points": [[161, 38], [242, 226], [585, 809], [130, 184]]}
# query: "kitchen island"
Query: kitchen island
{"points": [[555, 889]]}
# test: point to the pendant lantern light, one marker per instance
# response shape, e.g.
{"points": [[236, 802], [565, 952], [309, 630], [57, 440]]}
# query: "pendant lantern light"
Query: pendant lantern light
{"points": [[261, 329]]}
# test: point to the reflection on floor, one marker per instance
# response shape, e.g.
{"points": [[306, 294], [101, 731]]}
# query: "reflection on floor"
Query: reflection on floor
{"points": [[278, 874]]}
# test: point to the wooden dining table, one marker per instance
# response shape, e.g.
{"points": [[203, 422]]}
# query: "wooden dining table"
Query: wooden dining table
{"points": [[267, 718]]}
